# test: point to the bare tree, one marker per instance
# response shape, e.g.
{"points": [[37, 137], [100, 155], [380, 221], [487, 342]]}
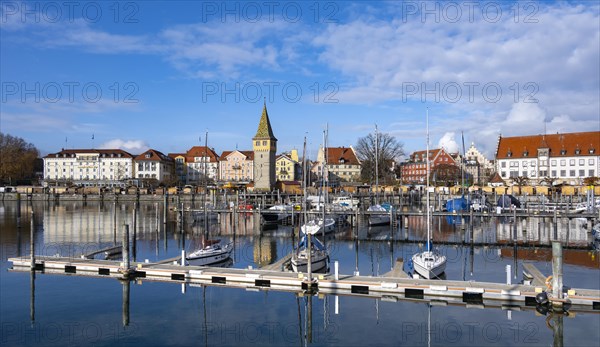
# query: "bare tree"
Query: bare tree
{"points": [[591, 181], [17, 158], [389, 150]]}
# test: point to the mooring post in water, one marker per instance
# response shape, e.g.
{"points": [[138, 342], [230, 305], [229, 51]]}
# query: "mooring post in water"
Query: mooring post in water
{"points": [[508, 278], [115, 218], [32, 241], [125, 248], [183, 257], [557, 272]]}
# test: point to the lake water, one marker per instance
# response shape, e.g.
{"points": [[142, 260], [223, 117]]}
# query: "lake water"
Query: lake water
{"points": [[50, 310]]}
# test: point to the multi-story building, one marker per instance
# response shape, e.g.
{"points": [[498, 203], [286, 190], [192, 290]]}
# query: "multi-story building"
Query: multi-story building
{"points": [[201, 162], [180, 166], [236, 166], [153, 164], [103, 167], [264, 145], [567, 158], [287, 167], [414, 171], [477, 165], [342, 164]]}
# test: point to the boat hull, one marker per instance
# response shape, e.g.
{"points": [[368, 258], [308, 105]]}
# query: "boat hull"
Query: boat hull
{"points": [[379, 220], [319, 264], [210, 257], [429, 269]]}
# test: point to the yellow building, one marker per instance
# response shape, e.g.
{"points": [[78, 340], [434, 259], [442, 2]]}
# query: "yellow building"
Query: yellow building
{"points": [[286, 166]]}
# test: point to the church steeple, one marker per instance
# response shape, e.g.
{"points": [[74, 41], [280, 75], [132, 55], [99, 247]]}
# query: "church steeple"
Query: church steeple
{"points": [[264, 130], [264, 145]]}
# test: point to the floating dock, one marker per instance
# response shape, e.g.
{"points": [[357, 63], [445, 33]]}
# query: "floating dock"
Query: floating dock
{"points": [[394, 286]]}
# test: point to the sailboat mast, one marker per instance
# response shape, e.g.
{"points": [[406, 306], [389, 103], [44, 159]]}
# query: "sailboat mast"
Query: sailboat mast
{"points": [[323, 185], [205, 183], [376, 165], [427, 172]]}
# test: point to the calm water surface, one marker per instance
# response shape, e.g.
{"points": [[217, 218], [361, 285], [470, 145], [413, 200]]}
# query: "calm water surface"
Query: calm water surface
{"points": [[56, 310]]}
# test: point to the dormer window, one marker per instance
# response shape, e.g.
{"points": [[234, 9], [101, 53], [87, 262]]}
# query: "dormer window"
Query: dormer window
{"points": [[526, 154], [563, 151], [577, 151], [509, 154], [592, 150], [148, 155]]}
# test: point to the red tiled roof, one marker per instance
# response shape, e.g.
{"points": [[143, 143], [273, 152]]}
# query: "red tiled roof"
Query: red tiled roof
{"points": [[107, 152], [335, 154], [154, 156], [249, 154], [559, 145], [201, 151], [175, 155]]}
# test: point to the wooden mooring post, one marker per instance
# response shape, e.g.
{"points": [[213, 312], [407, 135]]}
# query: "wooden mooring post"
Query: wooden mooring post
{"points": [[125, 251], [557, 275]]}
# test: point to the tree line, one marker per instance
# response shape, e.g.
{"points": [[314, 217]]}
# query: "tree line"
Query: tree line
{"points": [[17, 159]]}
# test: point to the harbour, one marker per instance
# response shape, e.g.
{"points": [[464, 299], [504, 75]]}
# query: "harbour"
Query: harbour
{"points": [[371, 271]]}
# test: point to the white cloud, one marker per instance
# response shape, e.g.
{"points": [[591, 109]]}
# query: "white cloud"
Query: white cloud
{"points": [[131, 146], [448, 143]]}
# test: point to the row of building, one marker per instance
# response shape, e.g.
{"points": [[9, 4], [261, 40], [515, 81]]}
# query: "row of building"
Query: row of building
{"points": [[566, 158], [259, 166]]}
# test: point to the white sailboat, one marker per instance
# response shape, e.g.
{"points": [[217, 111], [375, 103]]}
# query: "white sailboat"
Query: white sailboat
{"points": [[324, 224], [381, 217], [211, 252], [319, 258], [310, 255], [277, 213], [430, 263]]}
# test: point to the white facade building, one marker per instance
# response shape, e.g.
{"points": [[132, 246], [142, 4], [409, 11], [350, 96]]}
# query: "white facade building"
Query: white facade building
{"points": [[567, 158], [105, 167], [153, 164]]}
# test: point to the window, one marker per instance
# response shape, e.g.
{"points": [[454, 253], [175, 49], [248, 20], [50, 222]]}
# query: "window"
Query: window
{"points": [[581, 173], [572, 173], [591, 161], [592, 150], [591, 173], [563, 173], [572, 162], [577, 151], [563, 151], [526, 154], [553, 173], [563, 162], [533, 163], [543, 173], [553, 162], [544, 163], [581, 161], [264, 143], [514, 174]]}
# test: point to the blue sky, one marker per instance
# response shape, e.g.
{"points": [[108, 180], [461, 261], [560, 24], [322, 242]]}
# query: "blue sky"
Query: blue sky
{"points": [[158, 74]]}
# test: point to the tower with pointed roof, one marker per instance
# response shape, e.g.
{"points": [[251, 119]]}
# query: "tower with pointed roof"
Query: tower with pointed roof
{"points": [[264, 145]]}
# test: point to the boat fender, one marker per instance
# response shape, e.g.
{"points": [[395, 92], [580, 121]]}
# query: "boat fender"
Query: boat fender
{"points": [[549, 282], [542, 298]]}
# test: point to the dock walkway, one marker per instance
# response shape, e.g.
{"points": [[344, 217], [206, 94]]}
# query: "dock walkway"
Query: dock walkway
{"points": [[388, 287]]}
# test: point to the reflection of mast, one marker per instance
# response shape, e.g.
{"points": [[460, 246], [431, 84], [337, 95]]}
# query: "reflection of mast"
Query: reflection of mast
{"points": [[309, 318], [557, 328], [299, 321], [204, 309]]}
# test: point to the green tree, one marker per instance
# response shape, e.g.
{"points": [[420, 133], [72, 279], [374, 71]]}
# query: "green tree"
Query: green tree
{"points": [[389, 150], [17, 158]]}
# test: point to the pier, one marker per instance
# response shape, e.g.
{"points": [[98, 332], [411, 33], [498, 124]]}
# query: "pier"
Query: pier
{"points": [[393, 286]]}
